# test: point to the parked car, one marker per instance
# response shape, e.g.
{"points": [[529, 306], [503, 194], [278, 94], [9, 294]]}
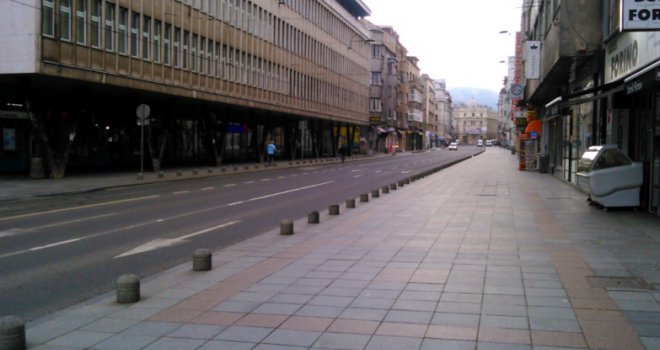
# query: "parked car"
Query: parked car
{"points": [[480, 143], [489, 143], [453, 146]]}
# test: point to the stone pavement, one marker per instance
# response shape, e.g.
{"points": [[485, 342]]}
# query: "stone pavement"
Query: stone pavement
{"points": [[478, 255]]}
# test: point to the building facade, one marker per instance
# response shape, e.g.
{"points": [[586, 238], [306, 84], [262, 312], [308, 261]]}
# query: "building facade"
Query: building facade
{"points": [[218, 78], [595, 83], [474, 122], [444, 111]]}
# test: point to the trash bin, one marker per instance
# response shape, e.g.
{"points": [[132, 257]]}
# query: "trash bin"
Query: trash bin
{"points": [[544, 164], [609, 177]]}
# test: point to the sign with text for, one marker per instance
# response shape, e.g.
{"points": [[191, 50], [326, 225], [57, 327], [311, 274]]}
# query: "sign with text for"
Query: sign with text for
{"points": [[640, 15], [630, 52]]}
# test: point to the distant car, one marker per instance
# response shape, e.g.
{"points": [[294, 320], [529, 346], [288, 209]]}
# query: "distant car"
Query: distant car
{"points": [[480, 143], [453, 146], [489, 143]]}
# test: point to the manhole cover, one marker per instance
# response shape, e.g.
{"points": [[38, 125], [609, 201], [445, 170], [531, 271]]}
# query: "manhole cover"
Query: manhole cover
{"points": [[610, 282]]}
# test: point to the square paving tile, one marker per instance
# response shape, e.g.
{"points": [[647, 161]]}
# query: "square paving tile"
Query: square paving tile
{"points": [[459, 308], [500, 335], [261, 320], [109, 325], [277, 309], [409, 316], [227, 345], [292, 337], [342, 341], [237, 306], [80, 339], [353, 326], [318, 324], [364, 314], [402, 329], [379, 342], [319, 311], [452, 332], [244, 334], [153, 328], [435, 344], [558, 339], [200, 331], [451, 319], [506, 322], [326, 300], [125, 342], [175, 344]]}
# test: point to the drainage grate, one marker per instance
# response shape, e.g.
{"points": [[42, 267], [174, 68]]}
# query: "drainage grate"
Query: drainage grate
{"points": [[612, 282]]}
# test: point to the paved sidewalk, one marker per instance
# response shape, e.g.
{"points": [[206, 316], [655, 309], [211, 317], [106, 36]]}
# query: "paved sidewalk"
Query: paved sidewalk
{"points": [[477, 255]]}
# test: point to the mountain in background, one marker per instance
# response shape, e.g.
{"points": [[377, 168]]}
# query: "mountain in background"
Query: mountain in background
{"points": [[482, 96]]}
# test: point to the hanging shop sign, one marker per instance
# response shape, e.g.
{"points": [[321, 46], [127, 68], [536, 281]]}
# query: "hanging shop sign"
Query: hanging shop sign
{"points": [[532, 59], [639, 15]]}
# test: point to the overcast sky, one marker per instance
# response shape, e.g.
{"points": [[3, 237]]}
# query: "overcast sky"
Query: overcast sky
{"points": [[457, 40]]}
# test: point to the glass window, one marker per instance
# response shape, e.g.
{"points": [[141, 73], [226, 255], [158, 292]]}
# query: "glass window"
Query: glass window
{"points": [[81, 22], [135, 34], [109, 26], [65, 20], [611, 158], [95, 24], [193, 53], [156, 49], [184, 53], [123, 30], [48, 18], [146, 37], [166, 43], [177, 40]]}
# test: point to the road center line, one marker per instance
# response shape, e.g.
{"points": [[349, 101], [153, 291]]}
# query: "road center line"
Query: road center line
{"points": [[289, 191], [77, 208]]}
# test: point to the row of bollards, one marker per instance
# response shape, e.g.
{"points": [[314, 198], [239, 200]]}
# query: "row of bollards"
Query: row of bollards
{"points": [[12, 328], [313, 217]]}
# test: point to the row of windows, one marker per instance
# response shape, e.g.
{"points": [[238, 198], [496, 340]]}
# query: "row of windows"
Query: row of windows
{"points": [[104, 25]]}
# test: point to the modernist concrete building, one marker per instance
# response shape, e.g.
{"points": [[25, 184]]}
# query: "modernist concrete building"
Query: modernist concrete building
{"points": [[220, 78], [430, 110]]}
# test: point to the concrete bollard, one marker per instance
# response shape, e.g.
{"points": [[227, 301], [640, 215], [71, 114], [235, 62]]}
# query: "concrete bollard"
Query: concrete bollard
{"points": [[350, 203], [209, 171], [393, 186], [313, 217], [140, 176], [400, 183], [333, 209], [406, 181], [202, 260], [286, 227], [386, 189], [179, 173], [195, 172], [161, 175], [128, 289], [364, 197], [12, 333], [375, 193]]}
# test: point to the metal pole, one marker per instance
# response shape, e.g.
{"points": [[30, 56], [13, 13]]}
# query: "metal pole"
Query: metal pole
{"points": [[141, 145]]}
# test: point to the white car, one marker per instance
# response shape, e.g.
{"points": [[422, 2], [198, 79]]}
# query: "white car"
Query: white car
{"points": [[489, 143], [453, 146]]}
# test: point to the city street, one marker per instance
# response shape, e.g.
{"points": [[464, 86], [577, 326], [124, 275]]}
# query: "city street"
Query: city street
{"points": [[60, 250]]}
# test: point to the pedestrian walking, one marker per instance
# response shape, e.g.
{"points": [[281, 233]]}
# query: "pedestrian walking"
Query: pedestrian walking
{"points": [[270, 151], [342, 152]]}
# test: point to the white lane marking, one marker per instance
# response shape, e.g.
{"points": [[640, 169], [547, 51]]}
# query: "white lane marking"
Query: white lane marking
{"points": [[289, 191], [168, 242], [248, 182], [235, 203], [356, 176], [405, 171], [181, 192], [71, 221], [266, 179], [281, 177], [378, 171], [230, 185], [55, 244], [77, 208], [207, 188]]}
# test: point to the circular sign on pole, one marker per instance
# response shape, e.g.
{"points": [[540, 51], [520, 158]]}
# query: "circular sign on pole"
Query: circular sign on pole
{"points": [[143, 111]]}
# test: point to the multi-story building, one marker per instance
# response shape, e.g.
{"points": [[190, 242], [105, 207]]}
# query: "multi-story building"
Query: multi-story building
{"points": [[595, 82], [219, 79], [430, 110], [444, 111], [415, 91], [474, 122], [384, 85]]}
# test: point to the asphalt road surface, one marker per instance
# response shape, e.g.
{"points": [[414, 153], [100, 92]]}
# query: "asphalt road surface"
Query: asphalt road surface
{"points": [[59, 251]]}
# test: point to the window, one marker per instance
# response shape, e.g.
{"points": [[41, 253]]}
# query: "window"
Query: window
{"points": [[375, 51], [166, 43], [135, 34], [95, 24], [123, 30], [376, 78], [109, 26], [48, 18], [156, 49], [146, 37], [65, 20], [193, 53], [202, 52], [186, 38], [81, 22], [177, 40], [375, 105]]}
